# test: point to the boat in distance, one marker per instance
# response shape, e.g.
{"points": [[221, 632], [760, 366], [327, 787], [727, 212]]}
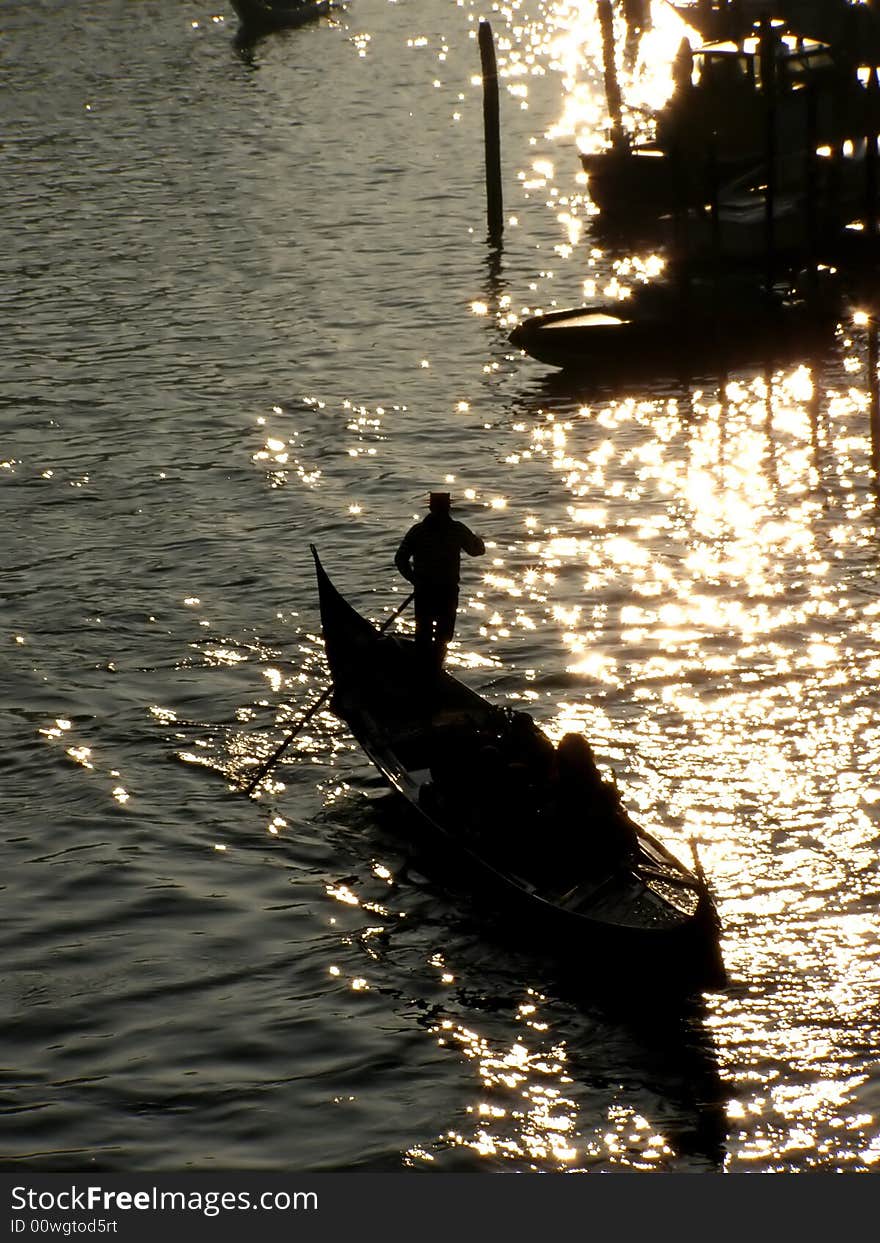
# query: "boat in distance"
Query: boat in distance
{"points": [[493, 798], [263, 16]]}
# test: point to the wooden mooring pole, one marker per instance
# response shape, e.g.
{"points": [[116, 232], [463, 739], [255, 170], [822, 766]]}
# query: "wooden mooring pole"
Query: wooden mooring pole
{"points": [[811, 180], [873, 382], [613, 97], [768, 68], [873, 123], [492, 133]]}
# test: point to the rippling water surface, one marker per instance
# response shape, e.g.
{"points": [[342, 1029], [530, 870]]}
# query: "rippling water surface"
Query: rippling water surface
{"points": [[248, 302]]}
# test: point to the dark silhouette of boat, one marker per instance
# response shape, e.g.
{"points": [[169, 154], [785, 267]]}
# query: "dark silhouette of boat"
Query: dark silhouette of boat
{"points": [[734, 104], [805, 206], [685, 326], [851, 27], [477, 778], [258, 17]]}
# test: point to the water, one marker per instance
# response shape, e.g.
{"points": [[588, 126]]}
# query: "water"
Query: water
{"points": [[248, 303]]}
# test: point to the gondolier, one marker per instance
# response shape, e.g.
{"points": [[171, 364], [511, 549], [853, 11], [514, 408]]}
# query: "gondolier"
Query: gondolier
{"points": [[429, 556]]}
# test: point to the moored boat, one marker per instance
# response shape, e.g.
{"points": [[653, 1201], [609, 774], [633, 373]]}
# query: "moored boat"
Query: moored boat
{"points": [[490, 795], [802, 210], [851, 27], [262, 16], [687, 327], [769, 86], [636, 185]]}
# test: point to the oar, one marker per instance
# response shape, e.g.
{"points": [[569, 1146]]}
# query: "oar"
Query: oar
{"points": [[264, 768]]}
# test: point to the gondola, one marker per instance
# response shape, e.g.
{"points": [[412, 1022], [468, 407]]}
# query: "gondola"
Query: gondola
{"points": [[687, 327], [641, 919], [259, 17]]}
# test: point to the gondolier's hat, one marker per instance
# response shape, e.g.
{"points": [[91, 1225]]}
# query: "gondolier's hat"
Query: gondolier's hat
{"points": [[439, 501]]}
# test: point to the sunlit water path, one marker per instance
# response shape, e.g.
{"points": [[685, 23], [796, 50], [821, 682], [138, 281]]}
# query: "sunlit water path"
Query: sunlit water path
{"points": [[248, 303]]}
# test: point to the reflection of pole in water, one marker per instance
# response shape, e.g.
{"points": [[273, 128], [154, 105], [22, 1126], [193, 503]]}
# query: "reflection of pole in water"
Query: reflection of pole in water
{"points": [[495, 288], [813, 410], [874, 390], [772, 446], [495, 282]]}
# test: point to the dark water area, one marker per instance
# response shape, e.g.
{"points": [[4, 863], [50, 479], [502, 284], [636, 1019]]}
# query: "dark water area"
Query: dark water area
{"points": [[247, 302]]}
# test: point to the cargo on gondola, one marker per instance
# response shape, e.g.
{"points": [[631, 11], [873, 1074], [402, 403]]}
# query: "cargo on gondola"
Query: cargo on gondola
{"points": [[551, 850]]}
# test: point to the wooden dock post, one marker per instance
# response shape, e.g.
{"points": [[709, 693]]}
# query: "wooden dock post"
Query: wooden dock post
{"points": [[491, 132], [872, 90], [811, 179], [873, 381], [767, 52], [613, 97]]}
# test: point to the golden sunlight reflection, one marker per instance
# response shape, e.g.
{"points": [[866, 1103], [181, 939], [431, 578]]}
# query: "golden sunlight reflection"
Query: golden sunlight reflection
{"points": [[713, 596], [643, 68], [342, 893], [529, 1105], [523, 1110]]}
